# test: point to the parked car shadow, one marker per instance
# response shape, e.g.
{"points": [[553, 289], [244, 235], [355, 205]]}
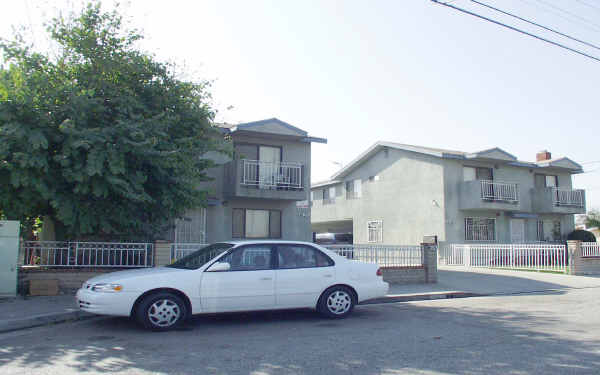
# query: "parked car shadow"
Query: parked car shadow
{"points": [[436, 337]]}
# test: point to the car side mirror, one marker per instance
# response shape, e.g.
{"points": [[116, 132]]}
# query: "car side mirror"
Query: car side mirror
{"points": [[219, 266]]}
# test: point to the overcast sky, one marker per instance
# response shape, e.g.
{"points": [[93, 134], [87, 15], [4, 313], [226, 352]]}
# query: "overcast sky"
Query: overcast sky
{"points": [[407, 71]]}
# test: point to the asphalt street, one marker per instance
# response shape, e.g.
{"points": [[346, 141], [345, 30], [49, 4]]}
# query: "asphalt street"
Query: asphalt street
{"points": [[537, 333]]}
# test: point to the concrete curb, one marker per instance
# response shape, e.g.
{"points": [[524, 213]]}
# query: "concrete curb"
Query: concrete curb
{"points": [[42, 320], [392, 298]]}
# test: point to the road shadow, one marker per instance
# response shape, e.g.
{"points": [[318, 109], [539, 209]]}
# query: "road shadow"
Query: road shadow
{"points": [[375, 339]]}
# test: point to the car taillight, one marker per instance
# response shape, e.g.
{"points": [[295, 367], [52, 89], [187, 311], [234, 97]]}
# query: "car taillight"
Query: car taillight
{"points": [[379, 272]]}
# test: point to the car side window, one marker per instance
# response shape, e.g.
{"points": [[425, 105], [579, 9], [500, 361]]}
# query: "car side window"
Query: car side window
{"points": [[300, 256], [249, 258]]}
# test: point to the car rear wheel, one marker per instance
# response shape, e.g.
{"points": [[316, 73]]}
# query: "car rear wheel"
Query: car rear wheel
{"points": [[336, 302], [161, 311]]}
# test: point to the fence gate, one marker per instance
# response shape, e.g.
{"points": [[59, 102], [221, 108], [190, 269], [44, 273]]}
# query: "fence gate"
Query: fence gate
{"points": [[541, 257], [9, 252]]}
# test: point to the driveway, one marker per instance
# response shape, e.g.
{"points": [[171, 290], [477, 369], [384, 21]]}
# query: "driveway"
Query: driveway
{"points": [[486, 281]]}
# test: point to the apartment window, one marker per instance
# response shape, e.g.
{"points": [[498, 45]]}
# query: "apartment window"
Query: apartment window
{"points": [[540, 230], [250, 223], [353, 189], [375, 231], [480, 229], [329, 195], [477, 173], [556, 230]]}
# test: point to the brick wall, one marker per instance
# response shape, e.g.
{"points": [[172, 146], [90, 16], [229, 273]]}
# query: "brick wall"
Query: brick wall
{"points": [[580, 265]]}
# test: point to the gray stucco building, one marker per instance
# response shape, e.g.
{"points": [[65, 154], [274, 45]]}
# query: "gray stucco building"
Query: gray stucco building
{"points": [[258, 192], [396, 194]]}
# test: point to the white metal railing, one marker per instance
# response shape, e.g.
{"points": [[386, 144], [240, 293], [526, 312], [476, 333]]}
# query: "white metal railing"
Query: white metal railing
{"points": [[383, 255], [590, 249], [179, 250], [499, 191], [564, 197], [87, 254], [516, 256], [327, 201], [271, 175]]}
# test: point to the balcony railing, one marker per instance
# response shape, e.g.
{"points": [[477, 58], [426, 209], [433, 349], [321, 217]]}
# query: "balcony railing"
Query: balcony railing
{"points": [[267, 175], [327, 201], [499, 191], [571, 198]]}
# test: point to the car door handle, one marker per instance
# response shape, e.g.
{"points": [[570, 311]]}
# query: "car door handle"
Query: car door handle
{"points": [[328, 275], [266, 278]]}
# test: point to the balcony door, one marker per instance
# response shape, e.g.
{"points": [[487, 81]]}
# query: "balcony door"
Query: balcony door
{"points": [[269, 161]]}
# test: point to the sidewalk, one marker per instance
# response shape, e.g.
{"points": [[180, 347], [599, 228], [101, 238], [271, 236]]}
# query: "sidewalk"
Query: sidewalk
{"points": [[453, 282], [26, 312]]}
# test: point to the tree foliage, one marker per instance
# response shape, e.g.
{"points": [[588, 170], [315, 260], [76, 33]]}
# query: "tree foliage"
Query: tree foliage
{"points": [[592, 219], [103, 138]]}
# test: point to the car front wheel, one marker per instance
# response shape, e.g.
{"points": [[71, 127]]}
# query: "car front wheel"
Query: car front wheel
{"points": [[336, 302], [161, 311]]}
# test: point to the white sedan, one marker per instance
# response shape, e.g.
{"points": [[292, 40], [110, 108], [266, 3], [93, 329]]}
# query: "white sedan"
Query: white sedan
{"points": [[235, 276]]}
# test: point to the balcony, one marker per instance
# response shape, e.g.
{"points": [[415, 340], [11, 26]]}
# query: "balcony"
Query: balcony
{"points": [[258, 179], [489, 195], [552, 200]]}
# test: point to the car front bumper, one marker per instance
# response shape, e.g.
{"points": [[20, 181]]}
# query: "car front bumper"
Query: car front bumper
{"points": [[117, 304]]}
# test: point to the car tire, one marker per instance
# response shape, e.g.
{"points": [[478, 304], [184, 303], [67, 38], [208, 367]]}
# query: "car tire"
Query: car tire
{"points": [[161, 311], [336, 302]]}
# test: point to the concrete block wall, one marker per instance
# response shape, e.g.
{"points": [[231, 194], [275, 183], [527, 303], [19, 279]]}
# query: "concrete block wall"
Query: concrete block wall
{"points": [[427, 273]]}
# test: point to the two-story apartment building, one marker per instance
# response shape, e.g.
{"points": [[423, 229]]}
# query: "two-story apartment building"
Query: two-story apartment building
{"points": [[396, 194], [253, 193]]}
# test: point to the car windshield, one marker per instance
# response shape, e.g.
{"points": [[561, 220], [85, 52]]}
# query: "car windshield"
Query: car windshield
{"points": [[200, 257]]}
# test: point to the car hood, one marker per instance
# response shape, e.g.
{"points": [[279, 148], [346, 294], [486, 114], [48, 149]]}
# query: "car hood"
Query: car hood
{"points": [[140, 273]]}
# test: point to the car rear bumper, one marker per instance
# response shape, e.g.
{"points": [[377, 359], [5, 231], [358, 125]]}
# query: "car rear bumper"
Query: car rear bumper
{"points": [[117, 304], [373, 290]]}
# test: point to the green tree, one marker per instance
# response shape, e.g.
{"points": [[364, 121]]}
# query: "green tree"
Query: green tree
{"points": [[102, 138], [592, 219]]}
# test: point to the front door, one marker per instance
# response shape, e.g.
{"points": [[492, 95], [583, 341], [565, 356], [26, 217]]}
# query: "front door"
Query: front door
{"points": [[517, 230], [248, 285]]}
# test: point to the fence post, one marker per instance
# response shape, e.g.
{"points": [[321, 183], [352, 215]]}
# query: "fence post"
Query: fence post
{"points": [[429, 252], [574, 257], [162, 253]]}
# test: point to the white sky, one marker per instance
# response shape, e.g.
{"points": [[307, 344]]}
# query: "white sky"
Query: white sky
{"points": [[407, 71]]}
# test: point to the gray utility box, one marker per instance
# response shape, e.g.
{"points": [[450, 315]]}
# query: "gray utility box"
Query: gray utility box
{"points": [[9, 253]]}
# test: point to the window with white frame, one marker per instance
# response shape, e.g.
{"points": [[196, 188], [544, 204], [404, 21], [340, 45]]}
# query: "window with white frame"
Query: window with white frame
{"points": [[375, 231], [480, 229]]}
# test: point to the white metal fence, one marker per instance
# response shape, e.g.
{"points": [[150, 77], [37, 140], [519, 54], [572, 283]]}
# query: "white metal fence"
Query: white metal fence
{"points": [[517, 256], [499, 191], [564, 197], [383, 255], [590, 249], [179, 250], [87, 254], [281, 175]]}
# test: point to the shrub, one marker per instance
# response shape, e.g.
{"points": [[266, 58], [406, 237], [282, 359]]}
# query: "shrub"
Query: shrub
{"points": [[582, 235]]}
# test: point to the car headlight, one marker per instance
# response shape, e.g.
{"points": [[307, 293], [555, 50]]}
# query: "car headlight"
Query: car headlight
{"points": [[109, 288]]}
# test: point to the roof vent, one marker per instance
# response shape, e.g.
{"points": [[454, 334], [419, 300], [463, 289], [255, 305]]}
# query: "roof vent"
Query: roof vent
{"points": [[543, 155]]}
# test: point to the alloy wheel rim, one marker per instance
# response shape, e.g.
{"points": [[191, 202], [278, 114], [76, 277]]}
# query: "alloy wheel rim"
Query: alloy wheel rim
{"points": [[339, 302], [164, 313]]}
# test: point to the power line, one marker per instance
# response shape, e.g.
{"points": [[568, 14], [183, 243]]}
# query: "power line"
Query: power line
{"points": [[567, 12], [535, 24], [589, 5], [515, 29], [557, 14]]}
